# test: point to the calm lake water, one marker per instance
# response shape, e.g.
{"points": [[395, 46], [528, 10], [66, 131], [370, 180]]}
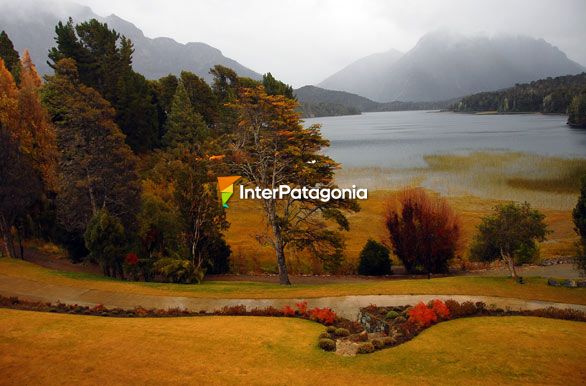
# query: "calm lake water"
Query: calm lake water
{"points": [[401, 139]]}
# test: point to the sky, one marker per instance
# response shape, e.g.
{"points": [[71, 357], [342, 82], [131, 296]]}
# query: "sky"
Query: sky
{"points": [[303, 42]]}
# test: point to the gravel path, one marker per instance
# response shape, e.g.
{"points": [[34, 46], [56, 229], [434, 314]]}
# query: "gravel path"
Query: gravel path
{"points": [[346, 306]]}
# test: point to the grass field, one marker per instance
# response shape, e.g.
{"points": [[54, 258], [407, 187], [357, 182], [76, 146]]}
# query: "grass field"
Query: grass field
{"points": [[38, 348], [248, 255], [534, 289]]}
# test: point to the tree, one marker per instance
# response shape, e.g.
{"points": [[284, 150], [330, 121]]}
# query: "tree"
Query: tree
{"points": [[509, 234], [184, 125], [374, 259], [424, 231], [10, 56], [185, 181], [20, 188], [104, 62], [577, 111], [97, 170], [201, 97], [579, 216], [269, 147], [106, 241], [36, 134], [276, 87]]}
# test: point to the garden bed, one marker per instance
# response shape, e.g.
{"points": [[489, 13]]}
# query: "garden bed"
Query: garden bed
{"points": [[377, 327]]}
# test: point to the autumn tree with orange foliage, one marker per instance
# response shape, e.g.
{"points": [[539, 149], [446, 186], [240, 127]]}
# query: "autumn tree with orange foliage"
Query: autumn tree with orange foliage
{"points": [[29, 147], [424, 231], [270, 147]]}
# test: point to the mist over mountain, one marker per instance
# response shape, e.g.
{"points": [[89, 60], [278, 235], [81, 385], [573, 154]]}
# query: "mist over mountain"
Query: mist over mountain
{"points": [[446, 65], [363, 73], [31, 26]]}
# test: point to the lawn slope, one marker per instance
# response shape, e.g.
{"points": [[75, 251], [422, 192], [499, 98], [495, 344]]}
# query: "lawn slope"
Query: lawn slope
{"points": [[45, 348], [535, 288]]}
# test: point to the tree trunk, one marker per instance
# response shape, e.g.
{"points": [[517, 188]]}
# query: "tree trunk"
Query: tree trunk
{"points": [[20, 246], [279, 245], [4, 234], [280, 251], [510, 263]]}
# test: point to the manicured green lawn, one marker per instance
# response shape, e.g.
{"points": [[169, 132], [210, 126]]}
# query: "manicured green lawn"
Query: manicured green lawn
{"points": [[42, 348], [535, 288]]}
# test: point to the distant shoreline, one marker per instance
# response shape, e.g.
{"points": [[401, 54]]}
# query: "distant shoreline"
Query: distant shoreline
{"points": [[489, 112]]}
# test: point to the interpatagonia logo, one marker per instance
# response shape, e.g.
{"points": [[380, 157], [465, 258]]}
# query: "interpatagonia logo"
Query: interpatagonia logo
{"points": [[226, 186]]}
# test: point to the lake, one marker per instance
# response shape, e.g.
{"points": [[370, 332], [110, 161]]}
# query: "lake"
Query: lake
{"points": [[401, 139]]}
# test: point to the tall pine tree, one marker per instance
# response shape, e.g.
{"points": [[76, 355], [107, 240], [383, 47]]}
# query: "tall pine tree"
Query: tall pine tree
{"points": [[184, 125], [104, 62], [96, 168]]}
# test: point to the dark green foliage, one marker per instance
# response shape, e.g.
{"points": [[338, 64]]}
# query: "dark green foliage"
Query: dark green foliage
{"points": [[276, 87], [392, 314], [184, 125], [136, 112], [327, 344], [509, 234], [106, 241], [218, 252], [579, 216], [378, 344], [104, 62], [365, 348], [323, 109], [325, 335], [201, 97], [374, 259], [166, 87], [551, 95], [225, 85], [97, 169], [20, 188], [577, 111], [341, 332], [331, 329], [178, 270], [10, 56]]}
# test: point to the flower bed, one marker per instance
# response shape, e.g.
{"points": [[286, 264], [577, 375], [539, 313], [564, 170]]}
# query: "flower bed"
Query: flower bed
{"points": [[379, 327], [391, 326]]}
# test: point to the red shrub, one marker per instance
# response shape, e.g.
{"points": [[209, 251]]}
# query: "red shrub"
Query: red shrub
{"points": [[131, 258], [302, 308], [441, 310], [322, 315], [288, 311], [421, 315]]}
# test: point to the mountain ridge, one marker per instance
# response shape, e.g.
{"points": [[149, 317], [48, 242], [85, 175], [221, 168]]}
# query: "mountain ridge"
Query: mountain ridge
{"points": [[444, 65], [153, 57]]}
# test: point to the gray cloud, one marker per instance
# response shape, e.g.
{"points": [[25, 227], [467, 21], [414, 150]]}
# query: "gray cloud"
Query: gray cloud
{"points": [[302, 42]]}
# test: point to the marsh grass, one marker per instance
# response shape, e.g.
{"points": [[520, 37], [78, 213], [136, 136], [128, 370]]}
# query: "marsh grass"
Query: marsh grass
{"points": [[545, 182]]}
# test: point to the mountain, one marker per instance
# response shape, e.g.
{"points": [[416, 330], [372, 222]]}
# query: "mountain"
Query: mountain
{"points": [[362, 75], [318, 102], [32, 26], [445, 65]]}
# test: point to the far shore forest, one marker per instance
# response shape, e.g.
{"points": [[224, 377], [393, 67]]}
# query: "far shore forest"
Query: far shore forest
{"points": [[122, 171]]}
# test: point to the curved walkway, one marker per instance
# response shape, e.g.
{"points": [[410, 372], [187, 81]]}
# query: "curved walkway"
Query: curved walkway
{"points": [[346, 306]]}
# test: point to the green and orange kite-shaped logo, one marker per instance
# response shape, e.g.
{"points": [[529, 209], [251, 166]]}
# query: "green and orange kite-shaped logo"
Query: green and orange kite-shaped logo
{"points": [[226, 186]]}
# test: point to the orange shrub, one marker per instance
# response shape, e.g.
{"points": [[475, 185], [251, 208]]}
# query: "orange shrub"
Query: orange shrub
{"points": [[441, 310], [421, 315]]}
